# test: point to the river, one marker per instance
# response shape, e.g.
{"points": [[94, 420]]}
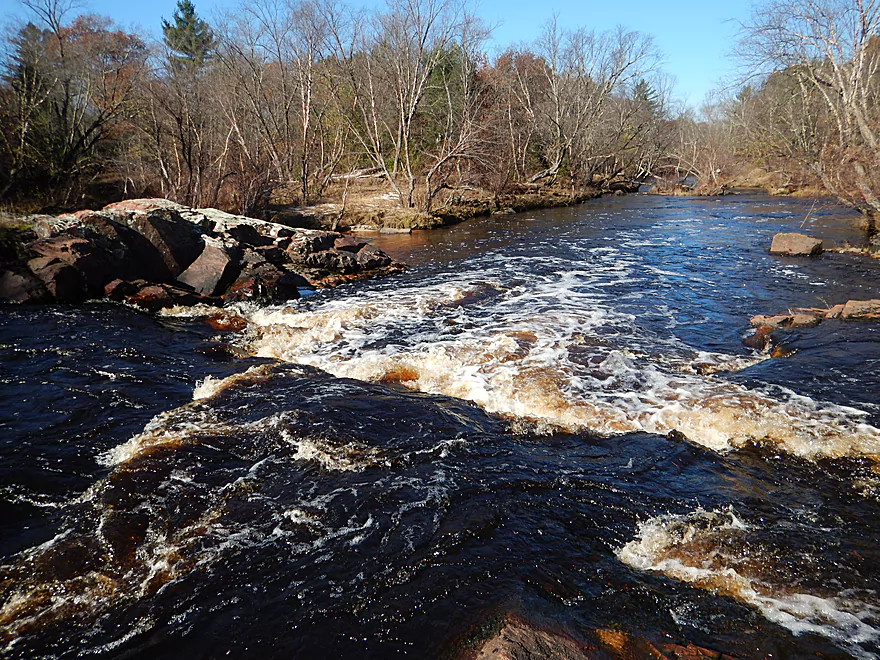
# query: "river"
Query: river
{"points": [[549, 416]]}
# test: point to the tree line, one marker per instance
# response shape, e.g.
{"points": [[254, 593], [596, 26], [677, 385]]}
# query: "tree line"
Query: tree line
{"points": [[284, 98], [286, 95]]}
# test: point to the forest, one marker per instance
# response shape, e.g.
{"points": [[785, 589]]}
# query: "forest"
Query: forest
{"points": [[288, 101]]}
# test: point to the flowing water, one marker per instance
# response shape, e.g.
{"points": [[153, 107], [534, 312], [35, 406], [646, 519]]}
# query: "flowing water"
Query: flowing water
{"points": [[549, 415]]}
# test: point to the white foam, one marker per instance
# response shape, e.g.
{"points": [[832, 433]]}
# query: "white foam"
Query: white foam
{"points": [[692, 548]]}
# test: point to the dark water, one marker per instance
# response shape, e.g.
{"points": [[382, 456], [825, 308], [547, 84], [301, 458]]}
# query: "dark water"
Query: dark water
{"points": [[550, 416]]}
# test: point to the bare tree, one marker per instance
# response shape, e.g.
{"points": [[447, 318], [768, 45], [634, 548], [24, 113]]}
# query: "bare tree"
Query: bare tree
{"points": [[832, 48]]}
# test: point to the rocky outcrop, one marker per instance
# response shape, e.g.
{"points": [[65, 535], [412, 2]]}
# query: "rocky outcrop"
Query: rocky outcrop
{"points": [[155, 253], [518, 640], [796, 245], [805, 317]]}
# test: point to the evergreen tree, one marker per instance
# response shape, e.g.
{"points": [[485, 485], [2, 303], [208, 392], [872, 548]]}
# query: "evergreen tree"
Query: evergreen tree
{"points": [[189, 37]]}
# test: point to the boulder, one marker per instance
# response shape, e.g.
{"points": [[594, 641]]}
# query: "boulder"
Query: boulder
{"points": [[178, 241], [63, 281], [348, 243], [266, 284], [775, 321], [370, 258], [118, 289], [214, 269], [861, 310], [518, 641], [796, 245], [226, 322], [760, 338], [333, 260], [803, 320], [152, 297], [307, 242], [834, 312], [22, 287]]}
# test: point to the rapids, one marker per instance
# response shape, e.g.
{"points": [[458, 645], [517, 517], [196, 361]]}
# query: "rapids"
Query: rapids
{"points": [[549, 415]]}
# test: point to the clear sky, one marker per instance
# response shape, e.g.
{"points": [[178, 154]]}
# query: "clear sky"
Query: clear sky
{"points": [[695, 36]]}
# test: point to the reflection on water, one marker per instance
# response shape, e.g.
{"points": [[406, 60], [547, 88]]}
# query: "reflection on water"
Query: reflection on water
{"points": [[550, 415]]}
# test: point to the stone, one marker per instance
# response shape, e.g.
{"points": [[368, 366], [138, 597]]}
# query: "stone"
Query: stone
{"points": [[371, 258], [308, 242], [834, 312], [268, 284], [760, 339], [333, 260], [178, 241], [861, 310], [796, 245], [782, 352], [214, 269], [776, 321], [518, 641], [348, 244], [802, 320], [395, 230], [226, 322], [271, 253], [22, 287], [152, 297], [63, 281], [118, 289]]}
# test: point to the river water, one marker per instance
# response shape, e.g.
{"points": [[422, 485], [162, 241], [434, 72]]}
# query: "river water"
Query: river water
{"points": [[549, 416]]}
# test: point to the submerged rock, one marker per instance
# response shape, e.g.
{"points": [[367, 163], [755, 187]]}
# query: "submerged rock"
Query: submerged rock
{"points": [[796, 245], [154, 252]]}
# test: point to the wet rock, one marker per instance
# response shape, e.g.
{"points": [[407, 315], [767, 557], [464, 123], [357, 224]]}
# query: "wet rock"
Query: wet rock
{"points": [[268, 284], [775, 321], [153, 298], [22, 287], [226, 322], [119, 289], [214, 269], [370, 258], [782, 351], [861, 310], [348, 243], [760, 338], [796, 245], [518, 641]]}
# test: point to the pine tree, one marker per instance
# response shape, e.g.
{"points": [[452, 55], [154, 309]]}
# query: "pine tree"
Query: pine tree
{"points": [[189, 37]]}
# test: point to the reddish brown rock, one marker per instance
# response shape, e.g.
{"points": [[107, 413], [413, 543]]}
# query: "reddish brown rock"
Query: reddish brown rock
{"points": [[796, 245], [518, 641], [861, 310], [760, 338], [152, 298], [118, 289], [226, 322], [782, 352]]}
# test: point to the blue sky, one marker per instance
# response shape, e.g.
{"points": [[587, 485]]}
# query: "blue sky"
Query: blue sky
{"points": [[696, 37]]}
